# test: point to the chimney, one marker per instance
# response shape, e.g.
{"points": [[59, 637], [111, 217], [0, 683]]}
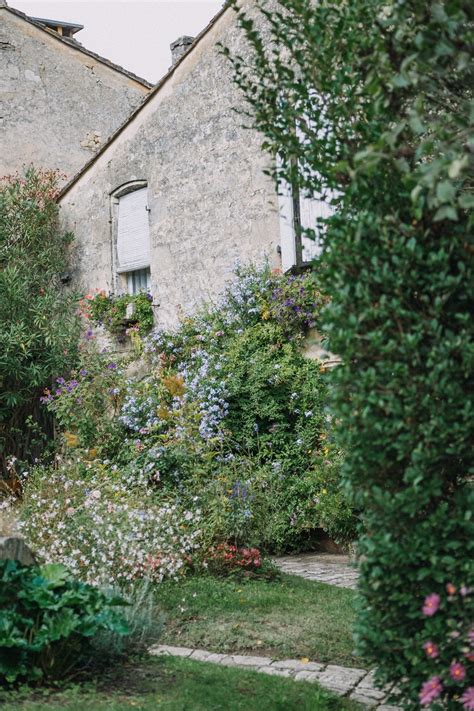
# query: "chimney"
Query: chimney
{"points": [[179, 47]]}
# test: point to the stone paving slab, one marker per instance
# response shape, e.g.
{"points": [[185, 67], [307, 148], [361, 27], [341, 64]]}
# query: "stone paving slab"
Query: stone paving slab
{"points": [[357, 684], [327, 568]]}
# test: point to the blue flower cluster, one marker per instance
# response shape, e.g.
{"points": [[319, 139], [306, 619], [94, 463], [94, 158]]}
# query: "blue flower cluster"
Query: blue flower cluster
{"points": [[138, 413], [205, 385]]}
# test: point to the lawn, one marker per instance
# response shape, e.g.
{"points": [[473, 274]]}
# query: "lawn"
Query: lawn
{"points": [[182, 685], [288, 617]]}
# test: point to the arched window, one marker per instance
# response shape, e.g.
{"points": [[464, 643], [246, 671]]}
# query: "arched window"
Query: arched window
{"points": [[131, 243]]}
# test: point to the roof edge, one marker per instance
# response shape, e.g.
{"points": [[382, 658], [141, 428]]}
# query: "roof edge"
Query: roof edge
{"points": [[144, 103], [76, 45]]}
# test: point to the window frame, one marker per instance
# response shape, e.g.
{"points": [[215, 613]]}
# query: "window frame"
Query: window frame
{"points": [[120, 279]]}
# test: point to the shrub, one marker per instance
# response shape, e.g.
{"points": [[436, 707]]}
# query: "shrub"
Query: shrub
{"points": [[230, 405], [369, 106], [106, 526], [228, 560], [86, 401], [110, 311], [47, 620], [38, 317]]}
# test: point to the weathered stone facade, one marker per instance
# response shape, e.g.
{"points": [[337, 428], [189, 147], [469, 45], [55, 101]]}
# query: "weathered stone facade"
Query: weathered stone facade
{"points": [[209, 200], [58, 102]]}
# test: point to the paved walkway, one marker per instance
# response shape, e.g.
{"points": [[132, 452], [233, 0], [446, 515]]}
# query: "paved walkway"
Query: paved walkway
{"points": [[356, 684], [323, 567]]}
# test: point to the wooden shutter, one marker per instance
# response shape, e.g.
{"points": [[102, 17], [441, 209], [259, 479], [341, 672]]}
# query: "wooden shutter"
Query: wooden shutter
{"points": [[287, 227], [311, 209], [133, 234]]}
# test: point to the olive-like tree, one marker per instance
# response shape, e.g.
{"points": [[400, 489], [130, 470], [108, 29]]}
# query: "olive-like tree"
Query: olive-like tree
{"points": [[39, 326], [369, 105]]}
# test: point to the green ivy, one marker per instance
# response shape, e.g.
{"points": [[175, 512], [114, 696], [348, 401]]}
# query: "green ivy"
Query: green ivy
{"points": [[111, 312]]}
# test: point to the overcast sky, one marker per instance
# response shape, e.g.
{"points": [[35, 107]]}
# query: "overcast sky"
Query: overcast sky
{"points": [[133, 33]]}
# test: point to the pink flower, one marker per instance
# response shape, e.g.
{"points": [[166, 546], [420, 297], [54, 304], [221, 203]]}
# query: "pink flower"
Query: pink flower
{"points": [[468, 699], [431, 604], [457, 671], [431, 649], [430, 690], [470, 636]]}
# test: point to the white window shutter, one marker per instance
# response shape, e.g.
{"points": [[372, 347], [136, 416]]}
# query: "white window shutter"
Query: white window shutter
{"points": [[287, 227], [133, 234], [311, 210]]}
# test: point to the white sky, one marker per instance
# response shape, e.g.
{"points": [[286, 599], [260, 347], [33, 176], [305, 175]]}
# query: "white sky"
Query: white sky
{"points": [[133, 33]]}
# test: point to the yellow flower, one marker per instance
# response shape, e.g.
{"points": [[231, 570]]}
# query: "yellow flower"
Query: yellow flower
{"points": [[71, 439]]}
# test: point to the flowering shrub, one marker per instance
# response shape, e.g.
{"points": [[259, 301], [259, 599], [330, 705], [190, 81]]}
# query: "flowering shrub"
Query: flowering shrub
{"points": [[107, 528], [86, 402], [249, 417], [430, 631], [227, 559], [230, 420], [449, 648], [110, 311]]}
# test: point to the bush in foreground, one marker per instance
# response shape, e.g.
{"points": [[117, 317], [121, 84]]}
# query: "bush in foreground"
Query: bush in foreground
{"points": [[368, 105], [48, 619]]}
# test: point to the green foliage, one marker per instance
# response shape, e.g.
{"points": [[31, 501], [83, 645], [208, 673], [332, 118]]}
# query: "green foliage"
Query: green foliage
{"points": [[235, 415], [39, 325], [47, 620], [111, 312], [86, 401], [230, 421], [381, 97]]}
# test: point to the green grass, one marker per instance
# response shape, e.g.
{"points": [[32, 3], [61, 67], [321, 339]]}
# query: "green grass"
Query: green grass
{"points": [[287, 617], [182, 685]]}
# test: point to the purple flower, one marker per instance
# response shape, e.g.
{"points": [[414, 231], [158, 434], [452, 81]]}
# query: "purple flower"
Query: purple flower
{"points": [[60, 381], [83, 372], [468, 699], [430, 690], [457, 671], [112, 366], [58, 392], [431, 604], [89, 334]]}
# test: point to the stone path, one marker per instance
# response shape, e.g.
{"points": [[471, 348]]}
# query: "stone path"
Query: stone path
{"points": [[323, 567], [356, 684]]}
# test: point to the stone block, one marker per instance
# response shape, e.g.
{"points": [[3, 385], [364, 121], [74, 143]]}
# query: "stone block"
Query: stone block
{"points": [[365, 701], [160, 650], [297, 665], [217, 658], [276, 672], [201, 654], [307, 676], [247, 661], [15, 548]]}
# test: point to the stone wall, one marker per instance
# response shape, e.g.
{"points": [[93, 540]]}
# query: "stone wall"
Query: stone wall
{"points": [[210, 202], [57, 103]]}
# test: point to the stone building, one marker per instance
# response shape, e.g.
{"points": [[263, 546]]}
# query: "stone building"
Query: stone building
{"points": [[178, 194], [59, 102]]}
